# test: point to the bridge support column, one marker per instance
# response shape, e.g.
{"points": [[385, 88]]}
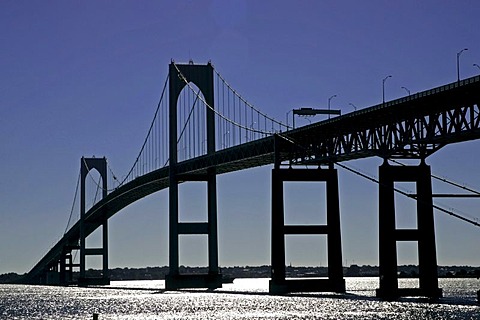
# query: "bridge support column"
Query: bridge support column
{"points": [[65, 268], [66, 265], [175, 280], [87, 164], [52, 276], [424, 234], [335, 281]]}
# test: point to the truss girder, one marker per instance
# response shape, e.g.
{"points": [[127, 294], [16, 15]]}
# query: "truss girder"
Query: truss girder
{"points": [[411, 128]]}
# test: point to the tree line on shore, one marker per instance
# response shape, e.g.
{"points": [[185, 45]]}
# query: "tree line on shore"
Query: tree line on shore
{"points": [[159, 273]]}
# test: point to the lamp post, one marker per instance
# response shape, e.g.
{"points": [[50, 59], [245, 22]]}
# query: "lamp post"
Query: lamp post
{"points": [[408, 91], [351, 104], [383, 87], [292, 118], [458, 63], [476, 65], [329, 99]]}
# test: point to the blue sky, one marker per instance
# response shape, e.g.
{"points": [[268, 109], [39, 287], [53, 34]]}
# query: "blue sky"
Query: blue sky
{"points": [[83, 78]]}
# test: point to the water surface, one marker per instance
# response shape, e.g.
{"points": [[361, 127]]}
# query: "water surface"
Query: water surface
{"points": [[244, 299]]}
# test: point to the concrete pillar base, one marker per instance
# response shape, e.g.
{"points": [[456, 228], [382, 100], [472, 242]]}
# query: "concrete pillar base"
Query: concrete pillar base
{"points": [[190, 281], [306, 285]]}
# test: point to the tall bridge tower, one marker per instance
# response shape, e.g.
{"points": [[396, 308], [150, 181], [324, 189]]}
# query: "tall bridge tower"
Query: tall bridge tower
{"points": [[202, 77], [86, 165]]}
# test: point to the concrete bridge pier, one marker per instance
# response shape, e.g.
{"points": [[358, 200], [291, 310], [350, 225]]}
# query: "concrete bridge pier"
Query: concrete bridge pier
{"points": [[51, 276], [335, 282], [213, 279], [424, 234], [59, 272], [66, 267]]}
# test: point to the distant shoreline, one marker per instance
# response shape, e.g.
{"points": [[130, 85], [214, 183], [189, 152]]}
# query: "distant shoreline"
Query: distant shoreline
{"points": [[158, 273]]}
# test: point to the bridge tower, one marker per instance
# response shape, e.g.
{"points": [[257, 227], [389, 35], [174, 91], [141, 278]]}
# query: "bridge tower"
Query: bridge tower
{"points": [[279, 283], [424, 234], [87, 164], [202, 77]]}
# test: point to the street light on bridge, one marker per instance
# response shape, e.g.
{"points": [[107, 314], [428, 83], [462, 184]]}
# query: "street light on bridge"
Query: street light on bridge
{"points": [[383, 87], [458, 63], [287, 118], [476, 65], [329, 99], [408, 91]]}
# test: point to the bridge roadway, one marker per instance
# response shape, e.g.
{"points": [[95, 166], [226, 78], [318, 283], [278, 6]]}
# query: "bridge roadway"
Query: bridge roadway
{"points": [[414, 126]]}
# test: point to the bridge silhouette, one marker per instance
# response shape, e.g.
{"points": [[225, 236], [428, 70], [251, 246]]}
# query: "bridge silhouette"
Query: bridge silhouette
{"points": [[202, 128]]}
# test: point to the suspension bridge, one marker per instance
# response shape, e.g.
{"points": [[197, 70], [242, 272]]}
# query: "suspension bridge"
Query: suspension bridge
{"points": [[202, 127]]}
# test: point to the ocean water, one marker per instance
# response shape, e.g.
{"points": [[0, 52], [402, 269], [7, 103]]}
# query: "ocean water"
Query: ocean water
{"points": [[244, 299]]}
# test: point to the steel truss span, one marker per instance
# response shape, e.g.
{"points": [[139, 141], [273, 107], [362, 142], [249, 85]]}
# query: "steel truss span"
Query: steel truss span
{"points": [[411, 127]]}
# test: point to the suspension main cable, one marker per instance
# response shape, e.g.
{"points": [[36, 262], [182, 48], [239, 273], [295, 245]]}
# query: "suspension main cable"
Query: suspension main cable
{"points": [[114, 177], [449, 212], [215, 111], [91, 176], [445, 180], [148, 134], [73, 204], [188, 117], [248, 103], [96, 192], [99, 186]]}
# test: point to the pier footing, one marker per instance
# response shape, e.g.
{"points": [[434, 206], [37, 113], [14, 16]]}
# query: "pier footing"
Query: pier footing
{"points": [[185, 281], [85, 282], [306, 285]]}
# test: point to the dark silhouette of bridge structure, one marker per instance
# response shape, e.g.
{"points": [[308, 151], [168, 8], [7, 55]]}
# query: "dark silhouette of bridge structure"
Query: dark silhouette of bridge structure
{"points": [[203, 128]]}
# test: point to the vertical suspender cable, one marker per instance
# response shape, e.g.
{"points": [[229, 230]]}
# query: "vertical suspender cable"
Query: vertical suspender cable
{"points": [[246, 123], [232, 128], [190, 127], [240, 121]]}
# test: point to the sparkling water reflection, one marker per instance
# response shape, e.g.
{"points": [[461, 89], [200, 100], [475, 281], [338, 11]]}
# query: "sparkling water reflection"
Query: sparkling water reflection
{"points": [[244, 299]]}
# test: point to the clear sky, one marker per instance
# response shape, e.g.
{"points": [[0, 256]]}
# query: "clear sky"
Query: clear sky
{"points": [[82, 78]]}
